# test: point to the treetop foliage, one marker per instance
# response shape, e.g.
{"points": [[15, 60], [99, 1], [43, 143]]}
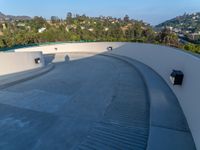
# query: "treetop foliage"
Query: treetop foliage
{"points": [[83, 28]]}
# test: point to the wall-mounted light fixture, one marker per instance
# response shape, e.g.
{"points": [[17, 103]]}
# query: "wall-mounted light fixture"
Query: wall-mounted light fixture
{"points": [[37, 60], [176, 77], [110, 48]]}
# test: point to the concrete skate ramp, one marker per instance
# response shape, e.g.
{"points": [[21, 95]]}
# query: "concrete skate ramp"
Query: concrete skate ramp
{"points": [[61, 109], [95, 102], [162, 60]]}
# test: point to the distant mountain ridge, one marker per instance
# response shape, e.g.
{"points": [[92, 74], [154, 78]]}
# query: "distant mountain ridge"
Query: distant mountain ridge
{"points": [[4, 17]]}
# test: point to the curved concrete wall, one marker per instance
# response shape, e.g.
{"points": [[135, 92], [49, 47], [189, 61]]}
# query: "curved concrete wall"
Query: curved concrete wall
{"points": [[161, 59], [13, 62]]}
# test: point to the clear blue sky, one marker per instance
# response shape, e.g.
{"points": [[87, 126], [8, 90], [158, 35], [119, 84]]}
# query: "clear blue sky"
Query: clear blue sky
{"points": [[152, 11]]}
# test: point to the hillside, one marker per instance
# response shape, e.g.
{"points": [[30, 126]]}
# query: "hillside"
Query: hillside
{"points": [[186, 26], [190, 22], [23, 32], [74, 28]]}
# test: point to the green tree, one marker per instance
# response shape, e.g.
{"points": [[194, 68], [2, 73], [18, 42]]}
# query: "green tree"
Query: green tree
{"points": [[168, 38], [55, 19], [126, 18], [192, 47], [38, 22], [69, 18], [2, 45]]}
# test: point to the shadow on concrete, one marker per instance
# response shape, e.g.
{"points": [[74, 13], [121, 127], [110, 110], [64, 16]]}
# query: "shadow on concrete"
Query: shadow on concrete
{"points": [[67, 58], [56, 58], [49, 58]]}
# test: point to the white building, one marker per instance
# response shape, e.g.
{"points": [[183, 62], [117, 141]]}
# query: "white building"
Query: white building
{"points": [[41, 30], [82, 27], [91, 29], [106, 29]]}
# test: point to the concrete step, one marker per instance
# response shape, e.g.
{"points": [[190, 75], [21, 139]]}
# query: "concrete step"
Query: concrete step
{"points": [[130, 106], [111, 137]]}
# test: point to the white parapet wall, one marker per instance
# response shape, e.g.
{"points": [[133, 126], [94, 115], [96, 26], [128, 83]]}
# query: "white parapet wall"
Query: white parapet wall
{"points": [[14, 62], [163, 60], [96, 47]]}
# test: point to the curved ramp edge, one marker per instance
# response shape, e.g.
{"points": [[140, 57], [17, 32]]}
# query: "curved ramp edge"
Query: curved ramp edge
{"points": [[125, 123], [13, 79], [168, 126]]}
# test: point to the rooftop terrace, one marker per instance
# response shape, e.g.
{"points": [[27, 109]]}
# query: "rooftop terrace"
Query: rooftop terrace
{"points": [[92, 101]]}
